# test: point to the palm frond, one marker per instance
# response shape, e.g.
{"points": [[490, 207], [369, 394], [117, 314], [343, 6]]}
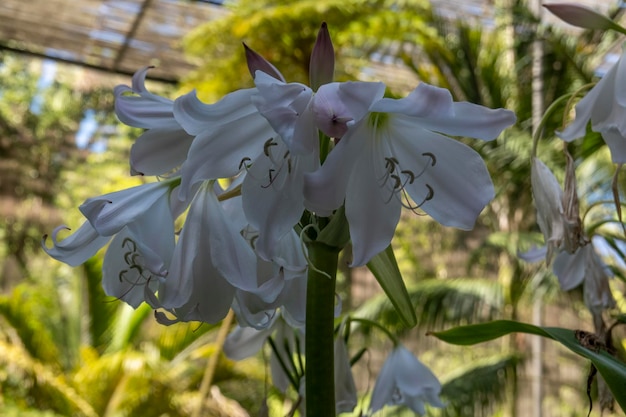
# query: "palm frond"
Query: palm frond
{"points": [[29, 311], [101, 308], [46, 385], [441, 302], [478, 388]]}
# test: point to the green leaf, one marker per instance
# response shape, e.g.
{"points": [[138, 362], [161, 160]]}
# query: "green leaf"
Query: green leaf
{"points": [[385, 269], [612, 370]]}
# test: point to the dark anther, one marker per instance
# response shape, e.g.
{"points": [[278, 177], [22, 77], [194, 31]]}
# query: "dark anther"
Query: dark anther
{"points": [[432, 157], [266, 146], [129, 240], [243, 163], [409, 174], [431, 193], [398, 183], [121, 275]]}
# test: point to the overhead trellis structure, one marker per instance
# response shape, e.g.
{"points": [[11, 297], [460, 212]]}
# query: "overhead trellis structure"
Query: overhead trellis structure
{"points": [[117, 36]]}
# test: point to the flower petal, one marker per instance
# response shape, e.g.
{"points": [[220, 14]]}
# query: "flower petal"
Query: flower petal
{"points": [[76, 248], [578, 127], [159, 151], [372, 210], [436, 111], [244, 342], [325, 189], [272, 195], [617, 145], [460, 185], [109, 213]]}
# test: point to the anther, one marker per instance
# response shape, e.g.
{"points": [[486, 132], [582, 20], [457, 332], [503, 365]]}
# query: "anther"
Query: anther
{"points": [[266, 146], [243, 163], [432, 157]]}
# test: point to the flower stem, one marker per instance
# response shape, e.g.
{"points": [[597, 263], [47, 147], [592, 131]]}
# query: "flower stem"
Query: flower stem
{"points": [[320, 307]]}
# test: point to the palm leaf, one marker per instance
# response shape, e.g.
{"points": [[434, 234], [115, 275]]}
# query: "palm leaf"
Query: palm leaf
{"points": [[475, 390], [48, 388], [440, 302]]}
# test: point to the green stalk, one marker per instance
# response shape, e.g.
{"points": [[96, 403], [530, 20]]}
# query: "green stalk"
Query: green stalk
{"points": [[320, 307]]}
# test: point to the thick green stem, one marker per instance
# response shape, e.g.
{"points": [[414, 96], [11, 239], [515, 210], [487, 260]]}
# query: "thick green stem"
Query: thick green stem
{"points": [[320, 306]]}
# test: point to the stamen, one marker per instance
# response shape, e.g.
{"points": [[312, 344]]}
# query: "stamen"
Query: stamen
{"points": [[397, 180], [266, 146], [244, 164]]}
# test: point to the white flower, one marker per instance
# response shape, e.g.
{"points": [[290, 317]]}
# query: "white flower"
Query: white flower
{"points": [[585, 267], [605, 107], [397, 153], [197, 286], [228, 135], [404, 380], [138, 257], [557, 211], [163, 147]]}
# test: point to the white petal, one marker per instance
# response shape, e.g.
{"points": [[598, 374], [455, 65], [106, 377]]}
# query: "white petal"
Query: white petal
{"points": [[460, 183], [272, 193], [385, 385], [285, 106], [372, 209], [192, 272], [76, 248], [325, 189], [617, 145], [222, 151], [620, 81], [436, 111], [423, 102], [196, 117], [123, 275], [159, 151], [345, 389], [570, 268], [109, 213], [577, 128], [230, 252], [244, 342]]}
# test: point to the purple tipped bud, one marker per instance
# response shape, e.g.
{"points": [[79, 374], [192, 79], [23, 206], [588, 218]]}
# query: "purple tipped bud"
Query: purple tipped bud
{"points": [[581, 16], [257, 63], [322, 65]]}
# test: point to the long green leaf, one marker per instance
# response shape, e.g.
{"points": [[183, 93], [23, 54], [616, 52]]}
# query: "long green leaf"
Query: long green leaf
{"points": [[612, 370], [385, 268]]}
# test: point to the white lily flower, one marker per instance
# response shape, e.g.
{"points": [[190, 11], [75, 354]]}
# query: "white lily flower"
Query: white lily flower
{"points": [[404, 380], [585, 267], [557, 211], [139, 254], [228, 135], [605, 106], [281, 285], [164, 146], [398, 152], [197, 287]]}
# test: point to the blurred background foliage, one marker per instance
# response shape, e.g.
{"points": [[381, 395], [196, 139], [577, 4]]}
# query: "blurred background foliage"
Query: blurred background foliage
{"points": [[69, 350]]}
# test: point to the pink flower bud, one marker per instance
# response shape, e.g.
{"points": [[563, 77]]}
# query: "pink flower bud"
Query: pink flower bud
{"points": [[322, 65], [257, 63]]}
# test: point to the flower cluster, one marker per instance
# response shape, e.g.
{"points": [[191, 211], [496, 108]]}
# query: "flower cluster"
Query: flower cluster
{"points": [[264, 170], [240, 247]]}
